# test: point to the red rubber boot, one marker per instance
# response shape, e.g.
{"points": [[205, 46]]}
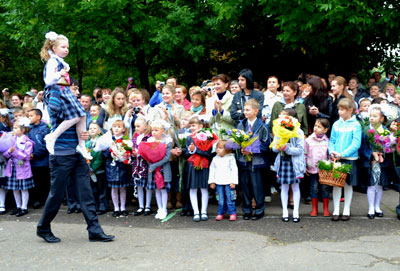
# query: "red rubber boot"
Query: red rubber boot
{"points": [[314, 211], [326, 206]]}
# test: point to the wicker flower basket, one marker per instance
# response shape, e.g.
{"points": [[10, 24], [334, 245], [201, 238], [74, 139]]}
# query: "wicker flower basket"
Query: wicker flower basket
{"points": [[326, 177]]}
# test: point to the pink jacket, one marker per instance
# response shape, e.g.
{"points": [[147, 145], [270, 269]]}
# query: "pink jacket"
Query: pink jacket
{"points": [[315, 149], [20, 158]]}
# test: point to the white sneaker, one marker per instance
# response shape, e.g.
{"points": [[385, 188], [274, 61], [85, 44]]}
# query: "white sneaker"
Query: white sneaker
{"points": [[158, 214], [273, 191], [162, 215], [267, 199]]}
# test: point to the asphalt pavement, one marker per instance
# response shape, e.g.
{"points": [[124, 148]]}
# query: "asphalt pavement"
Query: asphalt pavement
{"points": [[144, 243]]}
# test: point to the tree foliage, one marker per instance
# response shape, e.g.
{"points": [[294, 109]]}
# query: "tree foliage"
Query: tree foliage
{"points": [[149, 39]]}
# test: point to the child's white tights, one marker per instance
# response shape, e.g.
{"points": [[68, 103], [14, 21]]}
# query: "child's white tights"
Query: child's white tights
{"points": [[285, 197], [65, 125], [121, 198], [348, 195], [141, 197], [3, 193], [204, 200], [162, 199], [21, 203], [374, 194]]}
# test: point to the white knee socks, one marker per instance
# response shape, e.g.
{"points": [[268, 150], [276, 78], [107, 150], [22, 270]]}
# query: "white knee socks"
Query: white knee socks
{"points": [[336, 194], [193, 201], [122, 196], [204, 200], [374, 194], [114, 197], [148, 198], [162, 199], [296, 199], [25, 199], [3, 193], [140, 194], [17, 197], [348, 195], [284, 199]]}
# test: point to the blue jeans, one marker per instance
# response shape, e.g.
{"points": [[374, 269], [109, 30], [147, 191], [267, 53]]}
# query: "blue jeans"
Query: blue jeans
{"points": [[316, 186], [226, 199]]}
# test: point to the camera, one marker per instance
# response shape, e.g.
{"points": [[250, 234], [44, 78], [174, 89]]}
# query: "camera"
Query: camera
{"points": [[208, 89], [162, 84], [136, 110]]}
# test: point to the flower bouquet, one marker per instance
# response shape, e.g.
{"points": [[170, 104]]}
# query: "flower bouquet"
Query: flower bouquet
{"points": [[333, 173], [121, 151], [6, 141], [238, 139], [284, 128], [382, 140], [182, 139], [154, 152], [204, 139]]}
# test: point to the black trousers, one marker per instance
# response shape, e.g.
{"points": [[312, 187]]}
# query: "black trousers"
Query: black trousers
{"points": [[253, 187], [41, 178], [65, 169], [99, 189]]}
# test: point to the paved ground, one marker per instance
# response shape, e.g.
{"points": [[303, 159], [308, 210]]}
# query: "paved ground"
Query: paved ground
{"points": [[143, 243]]}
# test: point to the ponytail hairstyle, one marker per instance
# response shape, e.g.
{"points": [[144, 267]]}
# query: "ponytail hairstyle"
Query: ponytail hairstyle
{"points": [[52, 39]]}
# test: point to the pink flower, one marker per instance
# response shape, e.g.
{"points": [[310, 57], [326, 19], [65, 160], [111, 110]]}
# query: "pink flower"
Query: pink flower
{"points": [[371, 131], [388, 150], [382, 138], [201, 136]]}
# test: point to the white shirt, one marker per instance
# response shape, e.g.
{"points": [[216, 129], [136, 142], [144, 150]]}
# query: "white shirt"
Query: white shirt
{"points": [[223, 170]]}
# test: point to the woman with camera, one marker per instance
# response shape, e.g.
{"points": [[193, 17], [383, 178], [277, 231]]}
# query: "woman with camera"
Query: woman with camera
{"points": [[138, 106]]}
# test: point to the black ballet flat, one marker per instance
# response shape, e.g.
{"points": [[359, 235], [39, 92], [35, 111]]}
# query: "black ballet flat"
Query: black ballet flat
{"points": [[379, 214], [285, 219], [147, 211], [139, 211], [296, 219], [371, 216]]}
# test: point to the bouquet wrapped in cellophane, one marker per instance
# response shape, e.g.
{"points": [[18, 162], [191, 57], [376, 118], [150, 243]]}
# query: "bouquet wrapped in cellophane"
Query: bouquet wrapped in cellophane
{"points": [[239, 139]]}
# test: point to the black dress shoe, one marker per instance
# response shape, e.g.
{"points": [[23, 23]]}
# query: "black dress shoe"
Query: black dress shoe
{"points": [[246, 216], [3, 210], [296, 219], [379, 214], [78, 210], [257, 217], [124, 213], [15, 211], [285, 219], [36, 205], [100, 237], [70, 210], [147, 212], [139, 211], [182, 213], [48, 237], [335, 218], [116, 214], [22, 212], [371, 216]]}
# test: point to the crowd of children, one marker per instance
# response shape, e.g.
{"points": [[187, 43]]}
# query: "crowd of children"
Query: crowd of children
{"points": [[170, 150]]}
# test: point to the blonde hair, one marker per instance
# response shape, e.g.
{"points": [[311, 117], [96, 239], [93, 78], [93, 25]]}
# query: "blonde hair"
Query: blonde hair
{"points": [[120, 122], [110, 106], [144, 121], [48, 45], [253, 103], [342, 82], [27, 107], [169, 88], [222, 144], [347, 104]]}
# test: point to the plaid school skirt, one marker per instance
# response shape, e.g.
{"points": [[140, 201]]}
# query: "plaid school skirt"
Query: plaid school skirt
{"points": [[23, 184], [286, 174], [144, 182]]}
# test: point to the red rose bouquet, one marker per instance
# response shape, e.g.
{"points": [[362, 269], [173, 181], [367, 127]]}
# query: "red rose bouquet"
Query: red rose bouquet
{"points": [[204, 139], [121, 151]]}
